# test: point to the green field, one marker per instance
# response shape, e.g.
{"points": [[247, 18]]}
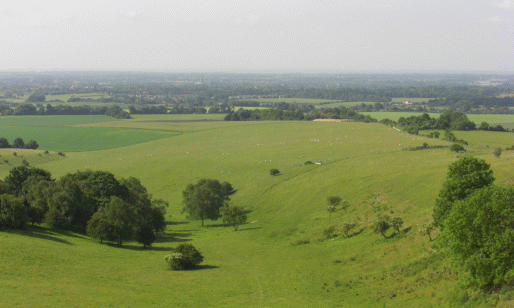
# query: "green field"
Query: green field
{"points": [[281, 258], [67, 133]]}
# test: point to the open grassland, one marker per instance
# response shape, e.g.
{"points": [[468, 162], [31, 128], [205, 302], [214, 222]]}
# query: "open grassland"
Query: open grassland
{"points": [[283, 258]]}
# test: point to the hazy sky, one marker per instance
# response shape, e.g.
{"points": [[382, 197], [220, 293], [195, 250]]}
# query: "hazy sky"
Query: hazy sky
{"points": [[264, 35]]}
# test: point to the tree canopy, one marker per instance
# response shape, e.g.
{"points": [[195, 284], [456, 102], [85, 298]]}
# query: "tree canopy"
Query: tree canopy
{"points": [[464, 176], [204, 199], [479, 233]]}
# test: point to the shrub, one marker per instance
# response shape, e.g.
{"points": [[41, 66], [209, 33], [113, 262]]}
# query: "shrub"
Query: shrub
{"points": [[457, 148], [497, 152], [274, 172], [346, 227], [187, 256], [310, 163]]}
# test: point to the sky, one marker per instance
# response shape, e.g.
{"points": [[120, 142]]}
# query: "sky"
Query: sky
{"points": [[339, 36]]}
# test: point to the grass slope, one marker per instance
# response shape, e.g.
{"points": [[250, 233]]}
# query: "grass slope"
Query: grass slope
{"points": [[283, 259]]}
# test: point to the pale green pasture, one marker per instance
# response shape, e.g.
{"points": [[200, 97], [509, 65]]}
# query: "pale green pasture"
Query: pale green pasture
{"points": [[395, 116], [257, 266], [313, 101], [412, 99]]}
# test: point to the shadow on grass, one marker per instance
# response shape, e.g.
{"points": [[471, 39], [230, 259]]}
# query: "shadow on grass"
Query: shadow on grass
{"points": [[249, 229], [216, 225], [171, 223], [137, 248], [44, 234], [178, 237], [406, 230], [202, 267], [356, 233]]}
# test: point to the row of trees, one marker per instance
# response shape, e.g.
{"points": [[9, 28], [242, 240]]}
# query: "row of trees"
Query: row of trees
{"points": [[93, 202], [30, 109], [452, 120], [18, 144], [274, 114]]}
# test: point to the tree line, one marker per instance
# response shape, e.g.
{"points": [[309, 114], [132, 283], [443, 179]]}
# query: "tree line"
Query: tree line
{"points": [[29, 109], [91, 202], [276, 114], [18, 144], [449, 120]]}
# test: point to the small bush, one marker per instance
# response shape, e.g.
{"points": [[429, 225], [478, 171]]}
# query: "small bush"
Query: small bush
{"points": [[15, 154], [60, 153], [274, 172], [310, 163], [457, 148], [300, 242], [187, 256], [329, 232], [46, 152], [25, 163]]}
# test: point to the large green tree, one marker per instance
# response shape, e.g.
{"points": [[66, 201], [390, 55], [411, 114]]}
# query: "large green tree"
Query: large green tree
{"points": [[115, 221], [204, 199], [18, 175], [479, 233], [464, 177], [234, 215], [13, 213]]}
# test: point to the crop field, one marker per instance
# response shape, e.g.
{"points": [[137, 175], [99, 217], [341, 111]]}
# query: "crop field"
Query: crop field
{"points": [[53, 120], [67, 133], [284, 256]]}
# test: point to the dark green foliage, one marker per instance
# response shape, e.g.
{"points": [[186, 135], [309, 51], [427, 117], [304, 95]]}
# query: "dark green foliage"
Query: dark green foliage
{"points": [[308, 163], [396, 223], [227, 188], [115, 221], [18, 175], [497, 152], [457, 148], [334, 200], [274, 172], [464, 176], [382, 225], [479, 233], [233, 215], [4, 143], [118, 113], [18, 143], [146, 236], [186, 257], [13, 213], [25, 163], [204, 199], [32, 145]]}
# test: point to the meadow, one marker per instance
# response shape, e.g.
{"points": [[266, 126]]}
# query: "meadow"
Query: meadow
{"points": [[290, 253]]}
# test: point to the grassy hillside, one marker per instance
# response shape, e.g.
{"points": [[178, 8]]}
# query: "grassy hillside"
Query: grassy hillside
{"points": [[285, 256]]}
